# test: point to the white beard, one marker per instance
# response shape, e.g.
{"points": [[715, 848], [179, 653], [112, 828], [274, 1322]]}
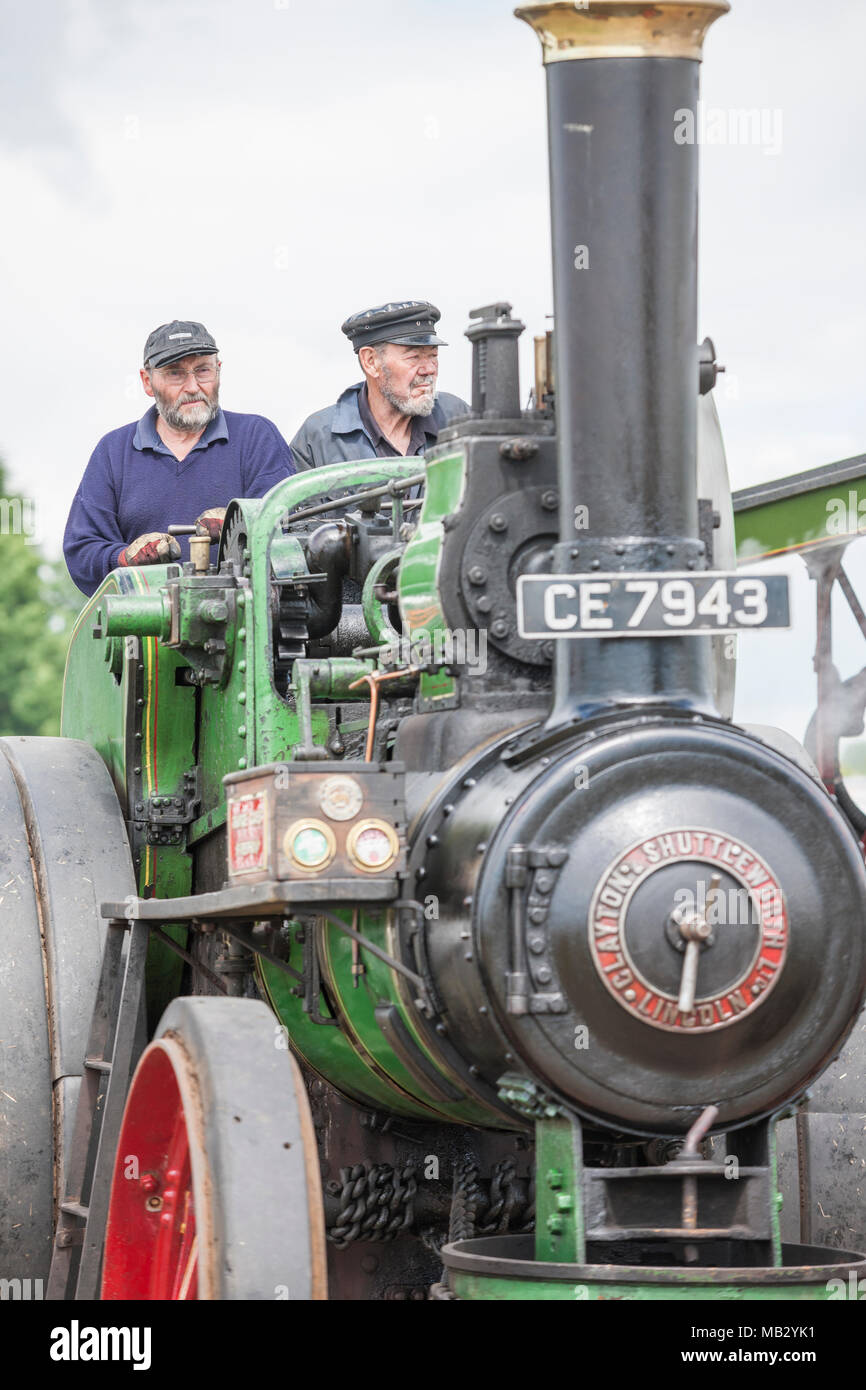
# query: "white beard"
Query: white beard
{"points": [[407, 405], [189, 419]]}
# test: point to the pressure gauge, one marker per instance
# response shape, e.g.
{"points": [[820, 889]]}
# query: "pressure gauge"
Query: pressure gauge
{"points": [[341, 797], [372, 845], [310, 844]]}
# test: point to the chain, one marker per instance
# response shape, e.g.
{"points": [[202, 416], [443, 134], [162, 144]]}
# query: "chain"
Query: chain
{"points": [[375, 1202], [503, 1199], [473, 1214]]}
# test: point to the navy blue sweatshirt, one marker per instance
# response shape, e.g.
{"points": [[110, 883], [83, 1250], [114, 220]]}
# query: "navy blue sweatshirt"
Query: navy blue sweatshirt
{"points": [[134, 484]]}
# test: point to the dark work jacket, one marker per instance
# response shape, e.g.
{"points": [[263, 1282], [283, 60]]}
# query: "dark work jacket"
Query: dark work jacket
{"points": [[337, 434]]}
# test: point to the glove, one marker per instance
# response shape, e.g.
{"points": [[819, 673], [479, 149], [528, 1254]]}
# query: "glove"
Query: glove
{"points": [[153, 548], [211, 522]]}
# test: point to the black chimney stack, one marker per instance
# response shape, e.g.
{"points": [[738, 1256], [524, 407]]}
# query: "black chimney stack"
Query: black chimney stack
{"points": [[622, 108]]}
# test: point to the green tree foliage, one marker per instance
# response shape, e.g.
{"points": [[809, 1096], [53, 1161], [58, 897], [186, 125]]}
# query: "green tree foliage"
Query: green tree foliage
{"points": [[39, 606]]}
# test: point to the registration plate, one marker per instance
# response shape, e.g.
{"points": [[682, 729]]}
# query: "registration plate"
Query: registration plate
{"points": [[644, 605]]}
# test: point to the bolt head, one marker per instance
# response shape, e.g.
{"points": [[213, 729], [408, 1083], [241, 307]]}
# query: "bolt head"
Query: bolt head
{"points": [[499, 628], [477, 575], [498, 522]]}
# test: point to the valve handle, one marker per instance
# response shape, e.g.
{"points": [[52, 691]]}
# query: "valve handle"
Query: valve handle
{"points": [[696, 931]]}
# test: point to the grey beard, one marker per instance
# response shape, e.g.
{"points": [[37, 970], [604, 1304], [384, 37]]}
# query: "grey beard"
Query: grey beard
{"points": [[406, 405], [188, 423]]}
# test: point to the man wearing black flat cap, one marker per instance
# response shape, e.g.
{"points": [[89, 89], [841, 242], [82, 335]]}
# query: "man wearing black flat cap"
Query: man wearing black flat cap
{"points": [[182, 462], [395, 411]]}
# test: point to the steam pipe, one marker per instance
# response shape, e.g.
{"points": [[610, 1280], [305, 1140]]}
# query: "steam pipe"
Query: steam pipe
{"points": [[624, 203], [329, 550]]}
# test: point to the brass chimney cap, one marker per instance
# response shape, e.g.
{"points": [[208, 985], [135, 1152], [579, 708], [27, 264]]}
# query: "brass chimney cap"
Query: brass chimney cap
{"points": [[571, 29]]}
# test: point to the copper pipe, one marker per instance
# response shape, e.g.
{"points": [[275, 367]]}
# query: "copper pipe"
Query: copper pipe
{"points": [[704, 1122], [374, 679]]}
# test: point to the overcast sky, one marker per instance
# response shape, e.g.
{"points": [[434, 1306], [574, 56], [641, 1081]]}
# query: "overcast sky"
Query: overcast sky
{"points": [[270, 166]]}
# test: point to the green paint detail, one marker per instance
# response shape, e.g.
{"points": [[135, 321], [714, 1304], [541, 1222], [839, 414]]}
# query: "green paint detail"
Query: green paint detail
{"points": [[288, 560], [93, 702], [333, 679], [485, 1288], [135, 615], [247, 724], [94, 705], [206, 824], [272, 721], [356, 1058], [559, 1222], [528, 1098], [828, 516], [326, 680], [446, 484], [380, 985], [357, 1006], [375, 611], [418, 582], [327, 1050], [193, 615]]}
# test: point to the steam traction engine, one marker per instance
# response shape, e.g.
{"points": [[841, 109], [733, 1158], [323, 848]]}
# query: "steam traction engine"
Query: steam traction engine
{"points": [[428, 807]]}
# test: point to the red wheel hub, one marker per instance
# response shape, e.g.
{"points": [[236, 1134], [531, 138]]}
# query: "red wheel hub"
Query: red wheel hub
{"points": [[159, 1213]]}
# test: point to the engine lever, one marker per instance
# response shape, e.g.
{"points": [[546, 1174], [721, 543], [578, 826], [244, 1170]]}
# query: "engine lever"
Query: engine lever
{"points": [[696, 931]]}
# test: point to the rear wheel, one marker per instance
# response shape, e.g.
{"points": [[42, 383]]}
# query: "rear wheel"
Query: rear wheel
{"points": [[63, 851], [216, 1191]]}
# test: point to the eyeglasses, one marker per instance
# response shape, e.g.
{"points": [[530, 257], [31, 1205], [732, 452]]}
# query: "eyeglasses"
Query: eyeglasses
{"points": [[178, 375]]}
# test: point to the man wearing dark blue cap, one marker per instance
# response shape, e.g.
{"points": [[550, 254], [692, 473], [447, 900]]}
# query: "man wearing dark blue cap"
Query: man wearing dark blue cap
{"points": [[183, 461], [395, 411]]}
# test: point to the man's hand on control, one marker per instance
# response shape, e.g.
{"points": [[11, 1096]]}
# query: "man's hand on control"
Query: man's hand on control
{"points": [[153, 548], [211, 522]]}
